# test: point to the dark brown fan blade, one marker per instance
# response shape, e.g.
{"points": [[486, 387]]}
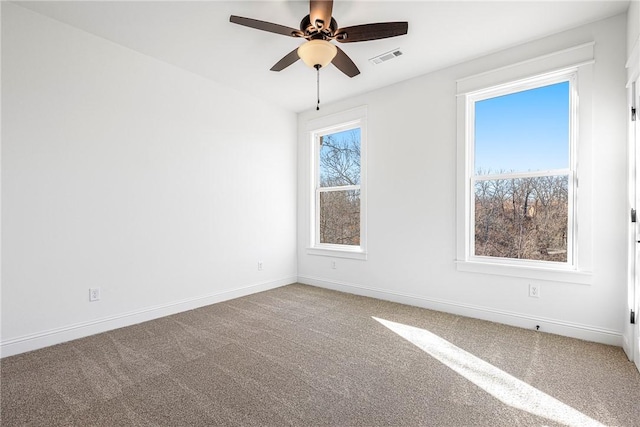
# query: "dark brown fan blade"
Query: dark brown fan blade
{"points": [[265, 26], [345, 64], [381, 30], [289, 59], [320, 10]]}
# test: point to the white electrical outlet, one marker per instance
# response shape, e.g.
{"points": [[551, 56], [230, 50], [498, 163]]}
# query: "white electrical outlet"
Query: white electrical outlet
{"points": [[94, 294], [259, 265], [333, 265], [534, 291]]}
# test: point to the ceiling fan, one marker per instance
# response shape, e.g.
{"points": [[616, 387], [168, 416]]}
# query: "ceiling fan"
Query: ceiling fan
{"points": [[318, 28]]}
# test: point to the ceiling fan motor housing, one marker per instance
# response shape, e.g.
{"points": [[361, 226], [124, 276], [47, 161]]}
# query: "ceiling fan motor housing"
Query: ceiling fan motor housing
{"points": [[317, 30]]}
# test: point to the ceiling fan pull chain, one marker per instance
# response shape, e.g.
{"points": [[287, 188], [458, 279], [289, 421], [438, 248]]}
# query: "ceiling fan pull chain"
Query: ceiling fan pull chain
{"points": [[317, 67]]}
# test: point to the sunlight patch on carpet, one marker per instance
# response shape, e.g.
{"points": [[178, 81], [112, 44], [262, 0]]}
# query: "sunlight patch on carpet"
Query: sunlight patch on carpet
{"points": [[499, 384]]}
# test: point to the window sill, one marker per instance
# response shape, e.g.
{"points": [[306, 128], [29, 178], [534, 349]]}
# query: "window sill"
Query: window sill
{"points": [[338, 252], [528, 272]]}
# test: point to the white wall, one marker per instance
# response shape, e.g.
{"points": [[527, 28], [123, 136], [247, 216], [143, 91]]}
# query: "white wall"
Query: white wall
{"points": [[412, 201], [125, 173], [633, 25]]}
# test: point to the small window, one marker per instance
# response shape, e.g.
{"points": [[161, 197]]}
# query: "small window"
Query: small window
{"points": [[520, 140], [338, 218], [338, 190]]}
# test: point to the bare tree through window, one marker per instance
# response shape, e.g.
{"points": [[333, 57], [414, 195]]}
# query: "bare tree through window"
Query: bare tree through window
{"points": [[523, 218]]}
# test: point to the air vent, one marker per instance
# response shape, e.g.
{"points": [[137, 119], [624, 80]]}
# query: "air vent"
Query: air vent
{"points": [[385, 56]]}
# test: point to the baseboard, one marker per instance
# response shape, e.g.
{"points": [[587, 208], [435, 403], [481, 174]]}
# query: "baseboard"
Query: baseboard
{"points": [[568, 329], [51, 337]]}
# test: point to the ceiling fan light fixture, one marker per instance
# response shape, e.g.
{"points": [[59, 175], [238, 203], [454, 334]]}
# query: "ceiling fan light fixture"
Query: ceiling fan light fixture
{"points": [[317, 52]]}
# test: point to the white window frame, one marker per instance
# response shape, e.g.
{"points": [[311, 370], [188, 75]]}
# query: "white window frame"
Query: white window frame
{"points": [[574, 64], [351, 119], [508, 89]]}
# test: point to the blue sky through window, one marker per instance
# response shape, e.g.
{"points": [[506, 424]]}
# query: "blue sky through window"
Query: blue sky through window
{"points": [[523, 131], [340, 158]]}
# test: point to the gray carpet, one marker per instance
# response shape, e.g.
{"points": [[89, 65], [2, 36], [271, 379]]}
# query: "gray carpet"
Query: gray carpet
{"points": [[304, 356]]}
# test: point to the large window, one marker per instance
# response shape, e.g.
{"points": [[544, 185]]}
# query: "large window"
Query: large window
{"points": [[520, 144], [524, 176], [338, 217], [523, 180]]}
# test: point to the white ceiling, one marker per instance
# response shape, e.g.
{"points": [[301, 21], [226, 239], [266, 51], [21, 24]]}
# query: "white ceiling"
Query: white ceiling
{"points": [[197, 36]]}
